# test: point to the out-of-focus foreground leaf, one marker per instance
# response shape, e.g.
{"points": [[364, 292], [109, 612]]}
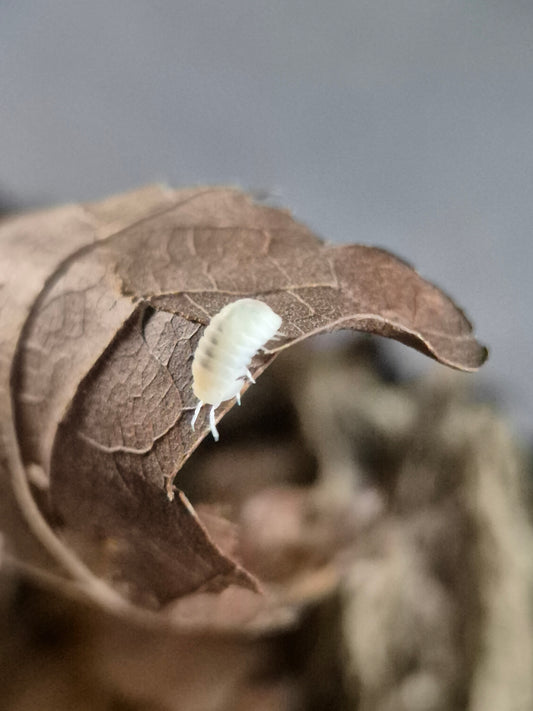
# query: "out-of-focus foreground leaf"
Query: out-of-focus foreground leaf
{"points": [[101, 309]]}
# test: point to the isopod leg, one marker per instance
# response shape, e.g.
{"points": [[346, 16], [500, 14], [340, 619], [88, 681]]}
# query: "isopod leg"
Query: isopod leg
{"points": [[212, 425], [196, 413], [238, 398], [249, 376]]}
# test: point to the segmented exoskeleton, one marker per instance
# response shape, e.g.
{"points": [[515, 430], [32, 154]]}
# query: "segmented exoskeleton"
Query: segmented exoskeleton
{"points": [[225, 351]]}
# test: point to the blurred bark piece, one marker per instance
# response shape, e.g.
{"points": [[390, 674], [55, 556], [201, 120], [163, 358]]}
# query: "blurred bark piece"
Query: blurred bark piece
{"points": [[437, 607]]}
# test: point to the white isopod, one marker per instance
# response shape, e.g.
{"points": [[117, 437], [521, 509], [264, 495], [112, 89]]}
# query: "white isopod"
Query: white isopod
{"points": [[224, 352]]}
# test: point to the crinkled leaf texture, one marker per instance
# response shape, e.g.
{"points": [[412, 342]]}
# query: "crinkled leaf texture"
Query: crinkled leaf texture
{"points": [[101, 309]]}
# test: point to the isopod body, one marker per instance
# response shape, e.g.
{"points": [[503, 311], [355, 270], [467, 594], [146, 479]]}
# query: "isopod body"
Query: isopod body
{"points": [[225, 350]]}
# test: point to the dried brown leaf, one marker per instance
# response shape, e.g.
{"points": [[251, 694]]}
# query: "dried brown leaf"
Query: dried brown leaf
{"points": [[102, 308]]}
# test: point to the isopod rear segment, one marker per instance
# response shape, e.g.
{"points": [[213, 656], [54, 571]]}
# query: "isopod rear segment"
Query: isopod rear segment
{"points": [[222, 358]]}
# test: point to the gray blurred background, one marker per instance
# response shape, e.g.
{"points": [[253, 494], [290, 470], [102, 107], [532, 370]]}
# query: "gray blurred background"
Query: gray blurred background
{"points": [[406, 124]]}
